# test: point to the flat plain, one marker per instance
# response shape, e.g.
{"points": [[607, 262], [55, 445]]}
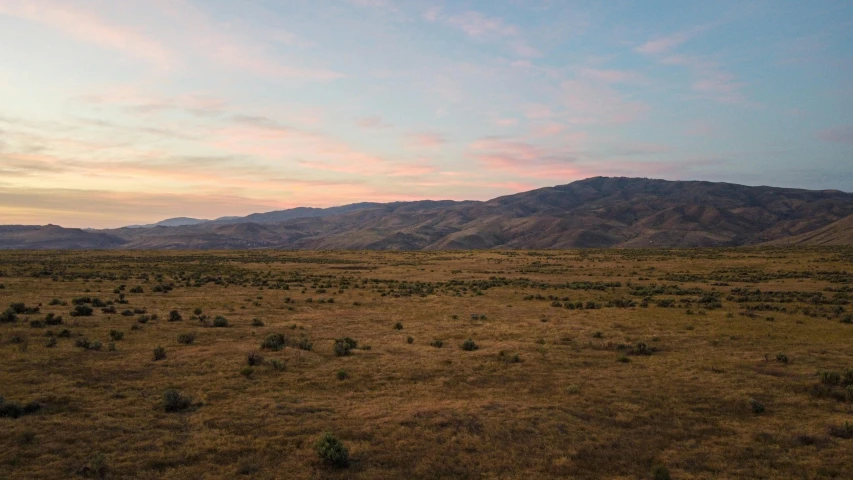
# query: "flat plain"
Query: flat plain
{"points": [[630, 363]]}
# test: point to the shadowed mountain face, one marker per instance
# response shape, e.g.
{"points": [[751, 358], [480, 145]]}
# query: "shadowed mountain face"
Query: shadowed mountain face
{"points": [[596, 212]]}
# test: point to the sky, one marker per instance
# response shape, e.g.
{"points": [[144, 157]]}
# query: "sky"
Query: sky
{"points": [[116, 113]]}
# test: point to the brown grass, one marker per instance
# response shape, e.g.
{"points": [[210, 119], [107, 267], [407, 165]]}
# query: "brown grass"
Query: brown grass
{"points": [[568, 409]]}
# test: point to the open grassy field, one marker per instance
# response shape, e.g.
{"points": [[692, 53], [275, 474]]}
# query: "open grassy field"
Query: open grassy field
{"points": [[685, 364]]}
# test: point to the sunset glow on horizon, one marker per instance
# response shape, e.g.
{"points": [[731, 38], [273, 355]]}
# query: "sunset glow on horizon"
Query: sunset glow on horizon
{"points": [[119, 113]]}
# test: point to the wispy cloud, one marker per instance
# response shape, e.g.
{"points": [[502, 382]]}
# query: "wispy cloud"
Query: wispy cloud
{"points": [[482, 27], [88, 27], [426, 140], [666, 43], [842, 134]]}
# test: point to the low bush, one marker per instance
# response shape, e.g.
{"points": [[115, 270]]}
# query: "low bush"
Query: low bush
{"points": [[332, 451], [85, 344], [82, 311], [186, 338], [254, 359], [159, 353], [344, 346], [274, 342], [174, 401]]}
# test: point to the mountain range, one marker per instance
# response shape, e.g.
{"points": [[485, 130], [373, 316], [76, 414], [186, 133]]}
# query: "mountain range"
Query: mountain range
{"points": [[599, 212]]}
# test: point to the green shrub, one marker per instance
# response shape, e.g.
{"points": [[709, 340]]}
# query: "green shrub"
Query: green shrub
{"points": [[659, 472], [830, 378], [186, 338], [436, 343], [410, 340], [469, 345], [398, 326], [8, 316], [52, 319], [256, 322], [254, 359], [278, 364], [332, 451], [274, 342], [782, 358], [757, 407], [116, 335], [220, 322], [344, 346], [174, 401], [159, 353], [175, 316], [247, 371], [85, 344], [842, 431], [342, 375], [82, 311], [304, 344]]}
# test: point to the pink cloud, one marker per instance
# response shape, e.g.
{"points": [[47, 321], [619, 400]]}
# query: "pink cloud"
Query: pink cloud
{"points": [[426, 140], [710, 80], [587, 102], [842, 134], [665, 43], [505, 122], [610, 76], [90, 28], [477, 25], [371, 123], [523, 159], [537, 112]]}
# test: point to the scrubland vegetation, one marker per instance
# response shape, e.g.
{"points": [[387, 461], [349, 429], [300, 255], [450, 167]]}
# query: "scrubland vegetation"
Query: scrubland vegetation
{"points": [[684, 364]]}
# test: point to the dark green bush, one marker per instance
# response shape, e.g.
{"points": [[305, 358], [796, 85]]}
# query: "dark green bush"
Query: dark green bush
{"points": [[830, 378], [332, 451], [175, 316], [757, 407], [186, 338], [82, 311], [159, 353], [469, 345], [274, 342], [116, 334], [344, 346], [659, 472], [437, 343], [174, 401], [220, 322], [85, 344], [254, 359]]}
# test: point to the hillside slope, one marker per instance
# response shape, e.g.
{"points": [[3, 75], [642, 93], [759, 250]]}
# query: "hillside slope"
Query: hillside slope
{"points": [[598, 212]]}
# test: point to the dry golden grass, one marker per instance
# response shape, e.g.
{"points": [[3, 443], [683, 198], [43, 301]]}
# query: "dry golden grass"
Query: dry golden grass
{"points": [[568, 409]]}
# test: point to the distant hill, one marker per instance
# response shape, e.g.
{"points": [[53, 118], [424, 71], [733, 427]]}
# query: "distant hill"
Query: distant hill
{"points": [[836, 233], [598, 212], [172, 222], [52, 237]]}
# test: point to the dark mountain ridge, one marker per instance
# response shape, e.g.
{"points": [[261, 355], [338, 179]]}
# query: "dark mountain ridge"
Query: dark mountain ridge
{"points": [[598, 212]]}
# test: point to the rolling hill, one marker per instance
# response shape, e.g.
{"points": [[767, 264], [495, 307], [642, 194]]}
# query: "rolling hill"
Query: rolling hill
{"points": [[600, 212]]}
